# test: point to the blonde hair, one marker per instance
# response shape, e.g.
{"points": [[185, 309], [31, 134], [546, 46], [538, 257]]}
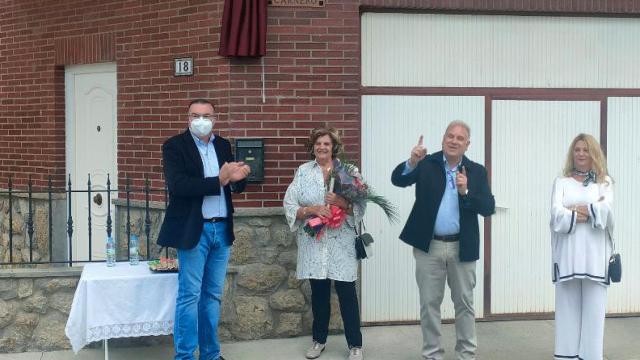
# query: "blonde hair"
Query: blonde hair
{"points": [[598, 160]]}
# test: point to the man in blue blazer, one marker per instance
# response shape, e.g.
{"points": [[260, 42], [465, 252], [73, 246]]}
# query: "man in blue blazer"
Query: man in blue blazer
{"points": [[451, 191], [200, 174]]}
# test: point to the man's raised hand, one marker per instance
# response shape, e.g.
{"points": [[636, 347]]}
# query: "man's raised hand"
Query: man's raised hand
{"points": [[417, 153]]}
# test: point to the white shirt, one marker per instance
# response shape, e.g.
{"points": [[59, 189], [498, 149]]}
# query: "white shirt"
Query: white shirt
{"points": [[581, 250]]}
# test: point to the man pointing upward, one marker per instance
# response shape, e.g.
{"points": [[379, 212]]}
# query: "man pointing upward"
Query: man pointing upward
{"points": [[451, 191]]}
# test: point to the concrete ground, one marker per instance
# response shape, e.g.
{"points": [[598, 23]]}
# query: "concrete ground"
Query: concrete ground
{"points": [[497, 340]]}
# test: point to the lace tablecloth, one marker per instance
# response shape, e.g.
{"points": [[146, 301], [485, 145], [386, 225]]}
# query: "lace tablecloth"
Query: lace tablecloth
{"points": [[121, 301]]}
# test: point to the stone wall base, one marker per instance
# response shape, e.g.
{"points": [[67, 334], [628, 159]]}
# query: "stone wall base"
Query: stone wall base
{"points": [[262, 298]]}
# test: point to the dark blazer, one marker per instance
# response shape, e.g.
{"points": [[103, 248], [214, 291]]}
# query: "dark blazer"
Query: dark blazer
{"points": [[430, 177], [184, 175]]}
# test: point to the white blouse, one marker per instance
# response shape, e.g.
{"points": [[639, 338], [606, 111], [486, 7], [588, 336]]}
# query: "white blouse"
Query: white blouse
{"points": [[333, 256], [581, 250]]}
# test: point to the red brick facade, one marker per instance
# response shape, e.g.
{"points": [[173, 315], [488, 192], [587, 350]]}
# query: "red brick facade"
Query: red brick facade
{"points": [[312, 76]]}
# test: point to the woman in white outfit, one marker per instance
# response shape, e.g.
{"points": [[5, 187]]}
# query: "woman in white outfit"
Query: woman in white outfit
{"points": [[581, 211]]}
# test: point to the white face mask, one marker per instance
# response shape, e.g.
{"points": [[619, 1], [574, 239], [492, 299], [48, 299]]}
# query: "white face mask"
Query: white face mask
{"points": [[201, 126]]}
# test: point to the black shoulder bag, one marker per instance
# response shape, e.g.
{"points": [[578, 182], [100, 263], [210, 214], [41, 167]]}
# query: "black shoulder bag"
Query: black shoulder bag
{"points": [[364, 242], [615, 263]]}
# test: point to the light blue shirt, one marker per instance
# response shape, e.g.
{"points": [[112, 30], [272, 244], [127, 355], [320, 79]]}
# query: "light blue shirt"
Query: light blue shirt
{"points": [[213, 205], [448, 217]]}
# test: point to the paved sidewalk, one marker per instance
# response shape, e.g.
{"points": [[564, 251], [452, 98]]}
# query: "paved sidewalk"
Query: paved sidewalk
{"points": [[497, 340]]}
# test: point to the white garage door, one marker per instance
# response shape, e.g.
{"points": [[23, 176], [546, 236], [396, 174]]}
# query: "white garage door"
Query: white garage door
{"points": [[409, 61], [529, 146], [391, 127], [623, 157], [432, 50]]}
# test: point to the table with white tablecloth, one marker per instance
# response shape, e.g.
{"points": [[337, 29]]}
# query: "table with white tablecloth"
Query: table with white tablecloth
{"points": [[121, 301]]}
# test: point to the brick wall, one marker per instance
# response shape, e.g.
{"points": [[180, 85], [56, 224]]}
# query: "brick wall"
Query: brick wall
{"points": [[37, 38], [311, 77]]}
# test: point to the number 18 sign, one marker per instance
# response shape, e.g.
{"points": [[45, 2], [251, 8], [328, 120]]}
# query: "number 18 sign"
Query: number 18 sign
{"points": [[183, 66]]}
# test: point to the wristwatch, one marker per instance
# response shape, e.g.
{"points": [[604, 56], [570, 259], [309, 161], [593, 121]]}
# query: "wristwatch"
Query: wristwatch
{"points": [[466, 191]]}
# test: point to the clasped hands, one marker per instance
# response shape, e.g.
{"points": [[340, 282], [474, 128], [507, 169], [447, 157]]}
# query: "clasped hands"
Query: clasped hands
{"points": [[233, 172], [582, 211], [323, 210]]}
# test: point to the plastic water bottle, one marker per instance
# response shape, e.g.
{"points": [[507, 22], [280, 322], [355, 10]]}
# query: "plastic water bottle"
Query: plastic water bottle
{"points": [[134, 257], [111, 251]]}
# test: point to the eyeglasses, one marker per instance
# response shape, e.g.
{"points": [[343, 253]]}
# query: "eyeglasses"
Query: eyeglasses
{"points": [[204, 116]]}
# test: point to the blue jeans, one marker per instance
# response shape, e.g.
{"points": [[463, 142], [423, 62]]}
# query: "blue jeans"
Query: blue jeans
{"points": [[200, 285]]}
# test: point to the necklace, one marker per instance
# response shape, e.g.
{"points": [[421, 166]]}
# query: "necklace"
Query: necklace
{"points": [[326, 172], [325, 167]]}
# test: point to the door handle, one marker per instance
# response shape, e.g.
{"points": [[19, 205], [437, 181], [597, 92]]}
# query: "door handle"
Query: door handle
{"points": [[97, 199]]}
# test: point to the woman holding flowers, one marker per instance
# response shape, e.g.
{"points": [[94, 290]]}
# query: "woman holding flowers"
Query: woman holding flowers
{"points": [[325, 226]]}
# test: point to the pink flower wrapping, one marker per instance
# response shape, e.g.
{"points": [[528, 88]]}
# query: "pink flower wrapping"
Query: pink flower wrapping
{"points": [[315, 226]]}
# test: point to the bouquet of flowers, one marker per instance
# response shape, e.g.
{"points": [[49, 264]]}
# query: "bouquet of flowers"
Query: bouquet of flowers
{"points": [[346, 181]]}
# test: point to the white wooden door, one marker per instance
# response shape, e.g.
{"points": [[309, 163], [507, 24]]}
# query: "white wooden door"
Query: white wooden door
{"points": [[91, 113], [623, 158], [529, 144], [391, 126]]}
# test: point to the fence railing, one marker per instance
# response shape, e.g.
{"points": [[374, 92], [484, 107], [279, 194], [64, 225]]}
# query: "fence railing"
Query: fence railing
{"points": [[69, 194]]}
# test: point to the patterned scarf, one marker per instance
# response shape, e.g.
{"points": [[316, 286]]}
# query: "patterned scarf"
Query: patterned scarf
{"points": [[589, 176]]}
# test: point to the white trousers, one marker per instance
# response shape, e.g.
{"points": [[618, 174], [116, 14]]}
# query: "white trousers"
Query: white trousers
{"points": [[580, 313]]}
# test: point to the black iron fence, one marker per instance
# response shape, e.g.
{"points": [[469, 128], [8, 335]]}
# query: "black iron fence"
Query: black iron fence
{"points": [[127, 194]]}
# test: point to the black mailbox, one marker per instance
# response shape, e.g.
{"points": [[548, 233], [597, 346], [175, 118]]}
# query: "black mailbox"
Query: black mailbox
{"points": [[251, 151]]}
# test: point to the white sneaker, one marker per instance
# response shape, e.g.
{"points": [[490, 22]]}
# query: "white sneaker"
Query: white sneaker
{"points": [[356, 353], [315, 350]]}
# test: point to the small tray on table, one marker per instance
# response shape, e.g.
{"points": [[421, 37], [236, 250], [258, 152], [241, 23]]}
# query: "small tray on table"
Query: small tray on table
{"points": [[163, 265]]}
